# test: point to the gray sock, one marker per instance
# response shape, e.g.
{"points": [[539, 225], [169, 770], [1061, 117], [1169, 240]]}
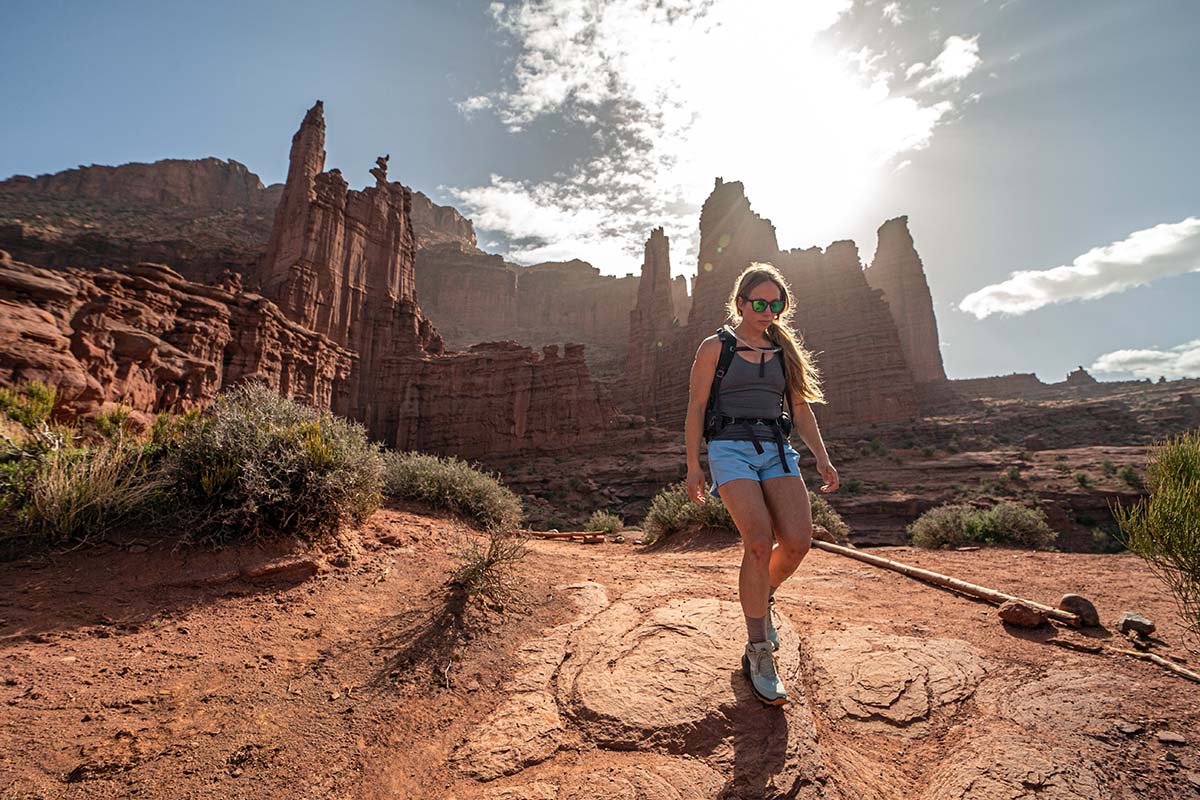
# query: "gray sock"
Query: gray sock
{"points": [[756, 629]]}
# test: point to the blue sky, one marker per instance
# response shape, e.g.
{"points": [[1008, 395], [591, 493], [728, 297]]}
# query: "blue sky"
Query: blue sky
{"points": [[1054, 140]]}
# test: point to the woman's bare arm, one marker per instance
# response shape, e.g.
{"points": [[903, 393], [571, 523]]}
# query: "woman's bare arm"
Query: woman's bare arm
{"points": [[805, 424], [699, 386]]}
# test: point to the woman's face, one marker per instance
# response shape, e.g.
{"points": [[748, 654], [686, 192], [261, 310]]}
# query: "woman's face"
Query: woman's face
{"points": [[760, 320]]}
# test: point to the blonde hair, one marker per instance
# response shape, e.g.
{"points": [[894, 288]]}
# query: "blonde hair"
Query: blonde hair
{"points": [[804, 379]]}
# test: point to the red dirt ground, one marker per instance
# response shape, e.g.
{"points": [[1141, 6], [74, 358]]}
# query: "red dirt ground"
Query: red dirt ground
{"points": [[139, 670]]}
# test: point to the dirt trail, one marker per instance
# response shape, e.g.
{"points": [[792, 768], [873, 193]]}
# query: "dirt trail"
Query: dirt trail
{"points": [[157, 674]]}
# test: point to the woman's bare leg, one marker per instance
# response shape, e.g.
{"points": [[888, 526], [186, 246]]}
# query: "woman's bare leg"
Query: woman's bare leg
{"points": [[746, 504], [786, 500]]}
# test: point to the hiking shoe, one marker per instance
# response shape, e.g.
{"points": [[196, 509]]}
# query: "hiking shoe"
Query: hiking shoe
{"points": [[772, 634], [758, 665]]}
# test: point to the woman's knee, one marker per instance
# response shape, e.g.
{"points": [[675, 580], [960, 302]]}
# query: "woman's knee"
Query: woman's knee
{"points": [[757, 545], [795, 543]]}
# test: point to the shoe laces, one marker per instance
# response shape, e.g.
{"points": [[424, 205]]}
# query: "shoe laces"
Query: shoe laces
{"points": [[758, 655]]}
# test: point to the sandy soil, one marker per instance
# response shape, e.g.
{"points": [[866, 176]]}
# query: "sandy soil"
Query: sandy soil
{"points": [[136, 670]]}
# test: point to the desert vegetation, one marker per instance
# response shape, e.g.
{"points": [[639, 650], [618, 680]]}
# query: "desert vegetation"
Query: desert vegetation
{"points": [[957, 524], [1164, 527]]}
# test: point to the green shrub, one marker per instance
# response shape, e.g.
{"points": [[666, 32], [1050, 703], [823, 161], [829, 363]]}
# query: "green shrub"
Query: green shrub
{"points": [[928, 452], [1131, 477], [484, 570], [78, 493], [672, 511], [853, 486], [1083, 480], [604, 521], [1007, 522], [1164, 527], [261, 465], [29, 404], [455, 486], [114, 423], [877, 446], [1109, 467], [1013, 474], [824, 515]]}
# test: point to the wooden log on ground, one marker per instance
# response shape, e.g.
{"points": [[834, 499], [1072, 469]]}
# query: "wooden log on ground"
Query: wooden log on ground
{"points": [[586, 536], [937, 578]]}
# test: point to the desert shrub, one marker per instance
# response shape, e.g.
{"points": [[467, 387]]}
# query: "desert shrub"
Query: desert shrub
{"points": [[854, 486], [1164, 527], [114, 423], [672, 511], [1083, 480], [928, 452], [1013, 473], [604, 521], [1007, 522], [77, 493], [261, 465], [29, 404], [877, 446], [484, 569], [455, 486], [1131, 477], [1109, 467], [824, 515]]}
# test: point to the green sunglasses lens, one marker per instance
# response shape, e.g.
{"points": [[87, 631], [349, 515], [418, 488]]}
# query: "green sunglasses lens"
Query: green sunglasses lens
{"points": [[776, 306]]}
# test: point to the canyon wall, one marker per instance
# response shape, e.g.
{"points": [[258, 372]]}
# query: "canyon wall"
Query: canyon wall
{"points": [[144, 337]]}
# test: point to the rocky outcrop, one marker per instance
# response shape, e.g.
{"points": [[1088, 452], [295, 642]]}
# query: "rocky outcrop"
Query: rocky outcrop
{"points": [[470, 296], [146, 338], [897, 271], [653, 326], [343, 262], [439, 225], [205, 183], [840, 317], [1080, 377]]}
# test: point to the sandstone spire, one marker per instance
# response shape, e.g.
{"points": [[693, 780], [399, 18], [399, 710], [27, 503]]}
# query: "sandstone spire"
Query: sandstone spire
{"points": [[651, 324], [897, 271]]}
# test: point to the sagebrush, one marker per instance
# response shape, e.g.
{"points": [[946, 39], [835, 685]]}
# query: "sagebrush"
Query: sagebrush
{"points": [[1164, 527], [452, 485], [957, 524]]}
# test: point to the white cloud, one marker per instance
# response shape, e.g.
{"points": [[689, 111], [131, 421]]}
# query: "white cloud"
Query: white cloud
{"points": [[1181, 361], [1147, 255], [473, 104], [892, 13], [958, 59], [915, 69], [673, 93]]}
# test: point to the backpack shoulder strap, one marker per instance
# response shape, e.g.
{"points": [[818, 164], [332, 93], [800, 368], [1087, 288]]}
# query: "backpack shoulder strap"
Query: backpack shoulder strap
{"points": [[787, 394], [728, 345]]}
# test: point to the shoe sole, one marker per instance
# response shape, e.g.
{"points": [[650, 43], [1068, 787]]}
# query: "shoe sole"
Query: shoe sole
{"points": [[778, 701]]}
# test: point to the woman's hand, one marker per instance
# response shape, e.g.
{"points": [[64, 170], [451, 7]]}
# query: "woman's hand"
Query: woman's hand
{"points": [[829, 475], [695, 485]]}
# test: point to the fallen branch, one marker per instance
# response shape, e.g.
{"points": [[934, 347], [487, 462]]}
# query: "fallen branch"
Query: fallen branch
{"points": [[1170, 665], [937, 578], [585, 536]]}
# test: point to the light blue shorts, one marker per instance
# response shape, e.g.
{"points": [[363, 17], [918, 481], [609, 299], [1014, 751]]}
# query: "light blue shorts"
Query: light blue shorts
{"points": [[729, 460]]}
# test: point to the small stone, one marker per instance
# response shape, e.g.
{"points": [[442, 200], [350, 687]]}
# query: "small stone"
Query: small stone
{"points": [[1131, 621], [137, 548], [1128, 728], [1194, 779], [1170, 737], [1082, 608], [334, 696], [1022, 614], [619, 539], [340, 561], [310, 612]]}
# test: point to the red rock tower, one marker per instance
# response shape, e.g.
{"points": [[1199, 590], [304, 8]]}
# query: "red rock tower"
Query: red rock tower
{"points": [[897, 271], [651, 325]]}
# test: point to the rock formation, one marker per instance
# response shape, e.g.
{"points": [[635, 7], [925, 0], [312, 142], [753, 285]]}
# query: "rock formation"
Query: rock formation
{"points": [[897, 271], [436, 225], [839, 316], [148, 339], [343, 262], [652, 326]]}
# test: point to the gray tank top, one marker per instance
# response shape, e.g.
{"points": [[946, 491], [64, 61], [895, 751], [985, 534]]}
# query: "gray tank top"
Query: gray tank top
{"points": [[745, 394]]}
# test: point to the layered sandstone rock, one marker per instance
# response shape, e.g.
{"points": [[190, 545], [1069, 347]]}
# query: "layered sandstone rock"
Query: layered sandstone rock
{"points": [[145, 337], [438, 225], [897, 271], [343, 262], [838, 315]]}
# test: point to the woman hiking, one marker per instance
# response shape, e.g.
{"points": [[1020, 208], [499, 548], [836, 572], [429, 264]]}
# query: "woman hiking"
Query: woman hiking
{"points": [[744, 380]]}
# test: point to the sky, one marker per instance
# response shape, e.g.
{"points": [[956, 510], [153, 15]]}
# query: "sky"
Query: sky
{"points": [[1044, 152]]}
